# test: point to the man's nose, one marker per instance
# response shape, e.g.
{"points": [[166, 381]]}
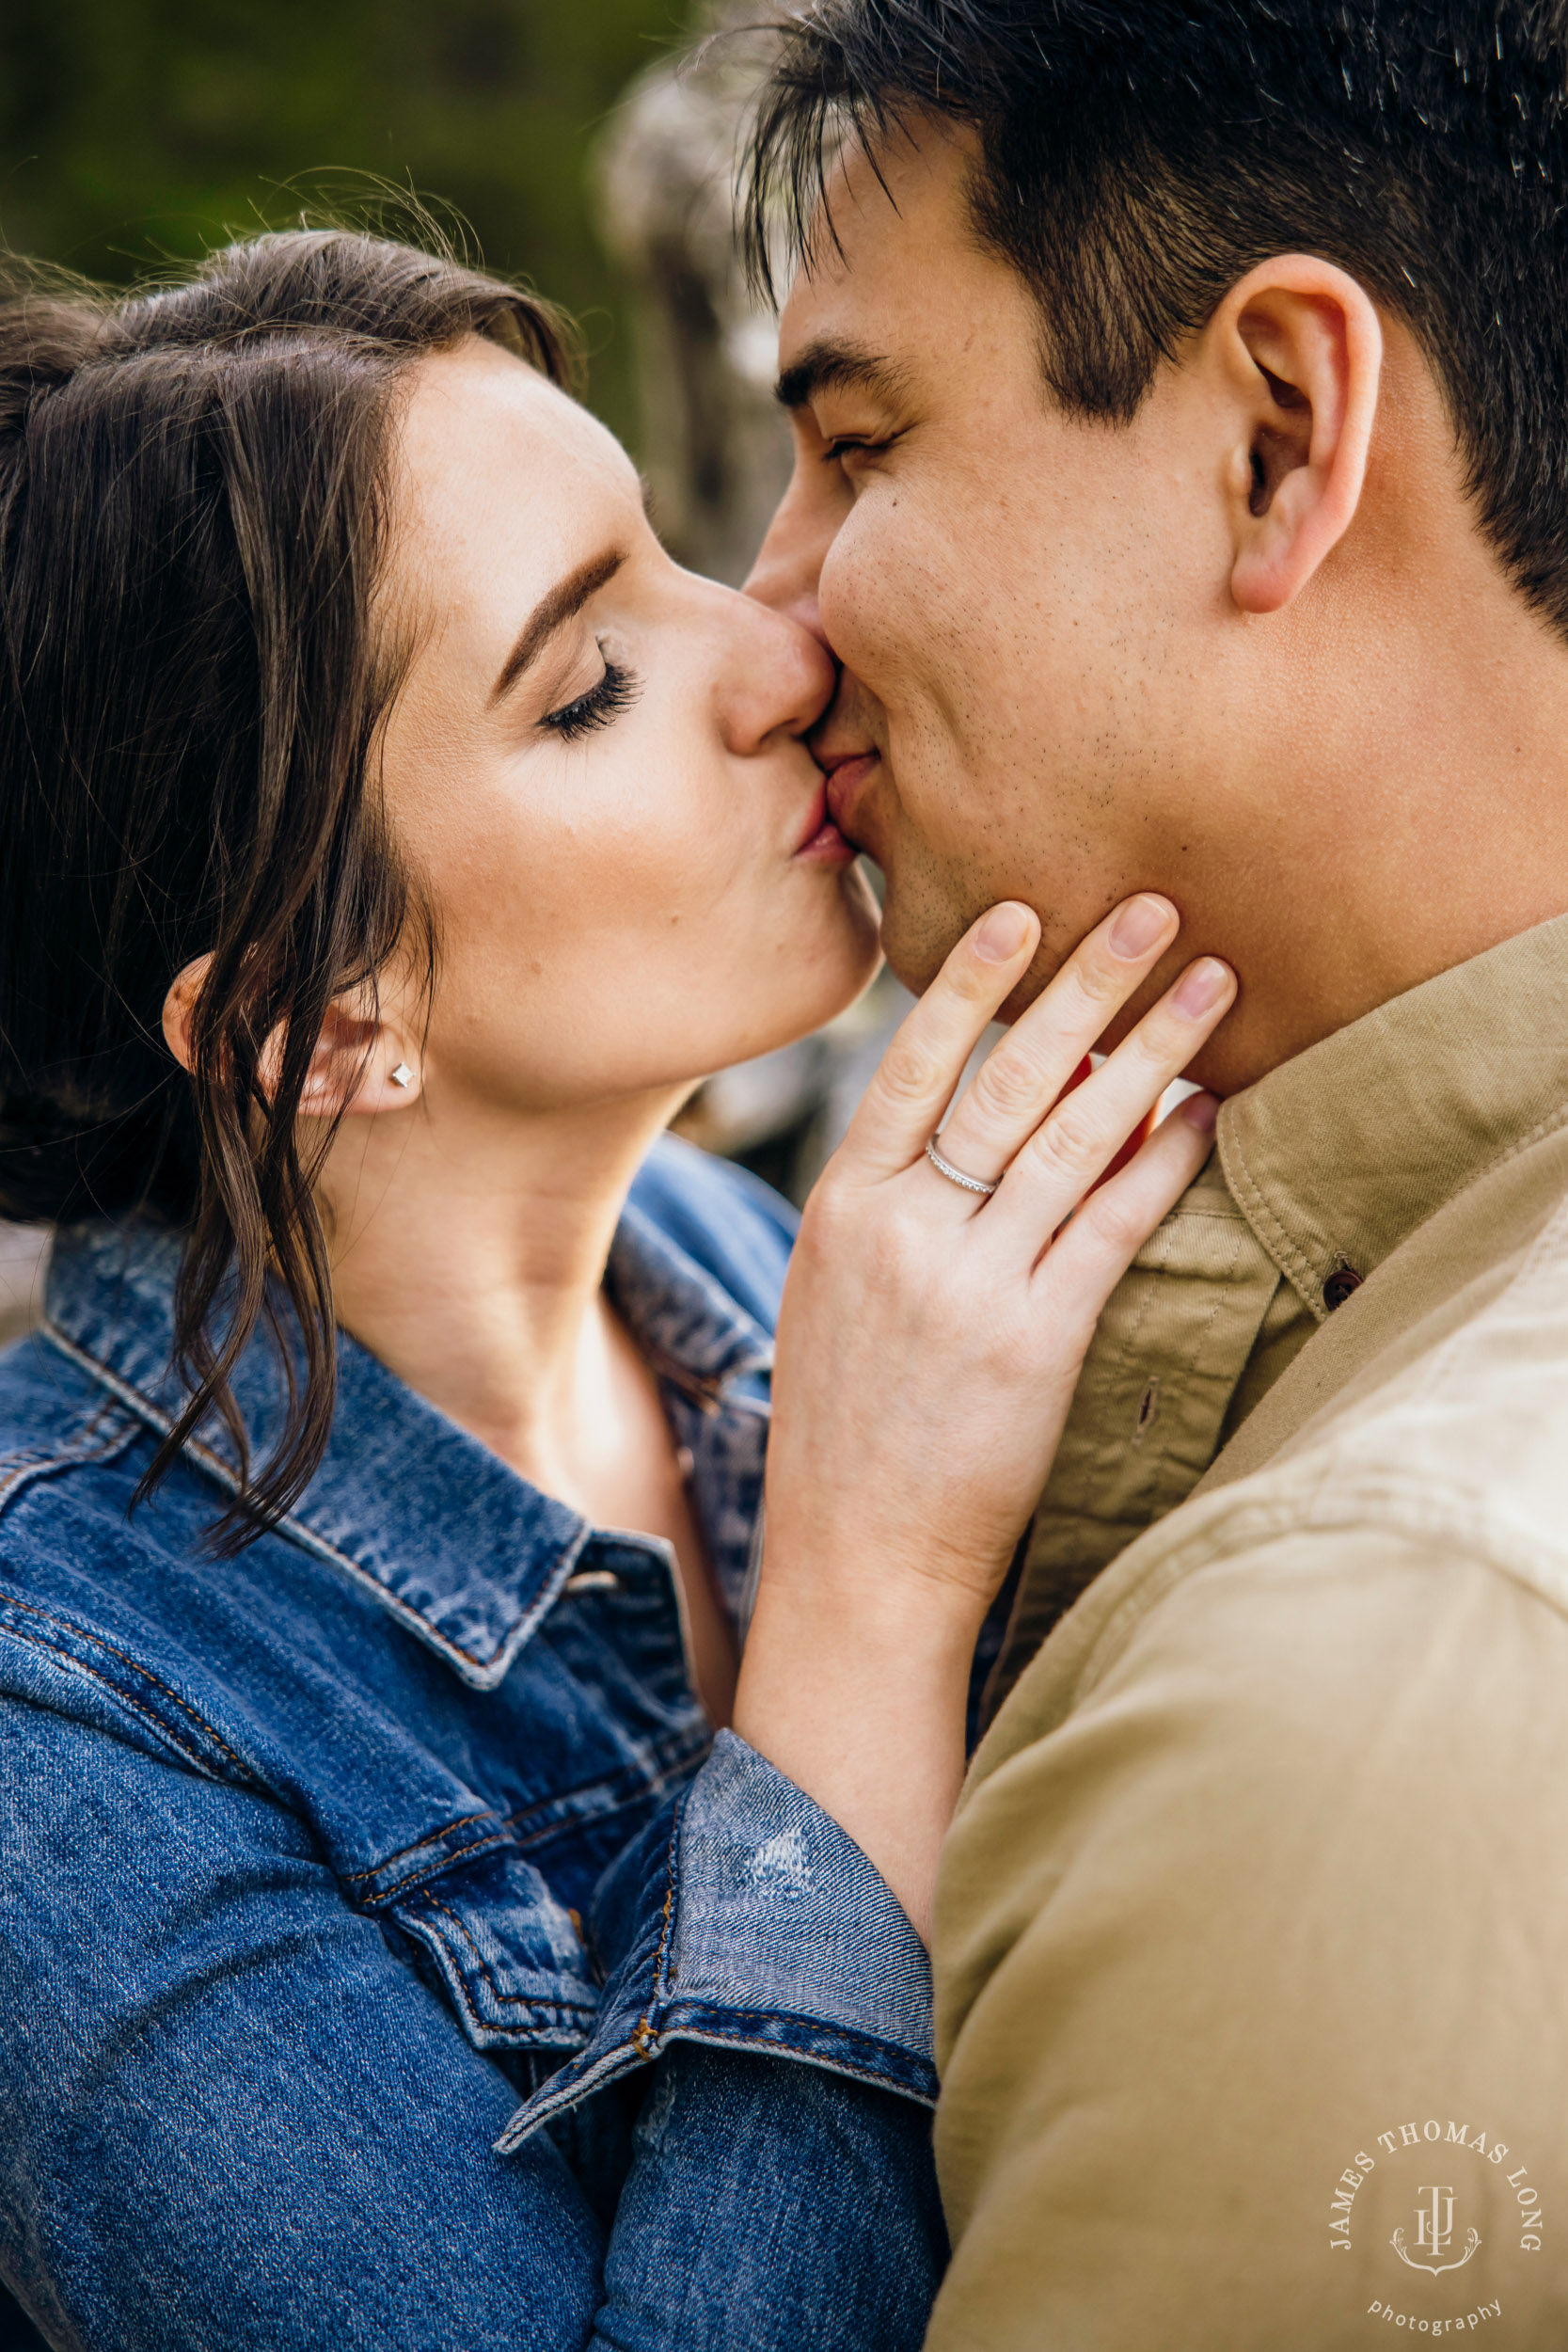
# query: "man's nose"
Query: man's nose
{"points": [[789, 562]]}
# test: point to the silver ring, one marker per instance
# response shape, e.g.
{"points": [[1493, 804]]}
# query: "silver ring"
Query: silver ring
{"points": [[956, 1175]]}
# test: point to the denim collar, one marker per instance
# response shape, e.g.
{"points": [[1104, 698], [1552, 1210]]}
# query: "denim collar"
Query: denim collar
{"points": [[461, 1550]]}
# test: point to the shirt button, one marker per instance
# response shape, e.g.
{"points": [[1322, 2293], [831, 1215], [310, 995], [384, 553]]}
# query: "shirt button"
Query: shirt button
{"points": [[1339, 1285]]}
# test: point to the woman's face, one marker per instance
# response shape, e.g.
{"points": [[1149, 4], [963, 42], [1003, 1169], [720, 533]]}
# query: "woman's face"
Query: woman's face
{"points": [[595, 767]]}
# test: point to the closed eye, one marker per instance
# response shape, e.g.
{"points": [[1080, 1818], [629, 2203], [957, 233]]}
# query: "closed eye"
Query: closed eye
{"points": [[859, 445], [615, 692]]}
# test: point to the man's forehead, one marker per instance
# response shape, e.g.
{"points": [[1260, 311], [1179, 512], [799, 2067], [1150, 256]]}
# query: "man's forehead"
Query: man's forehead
{"points": [[889, 226], [833, 309], [849, 324]]}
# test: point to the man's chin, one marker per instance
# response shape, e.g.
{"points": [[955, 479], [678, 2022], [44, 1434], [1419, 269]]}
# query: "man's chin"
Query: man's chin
{"points": [[919, 931]]}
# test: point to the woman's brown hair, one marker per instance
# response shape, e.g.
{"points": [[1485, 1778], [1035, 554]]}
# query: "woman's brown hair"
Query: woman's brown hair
{"points": [[193, 509]]}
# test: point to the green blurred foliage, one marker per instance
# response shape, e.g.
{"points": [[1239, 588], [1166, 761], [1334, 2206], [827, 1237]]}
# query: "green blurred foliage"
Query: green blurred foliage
{"points": [[136, 131]]}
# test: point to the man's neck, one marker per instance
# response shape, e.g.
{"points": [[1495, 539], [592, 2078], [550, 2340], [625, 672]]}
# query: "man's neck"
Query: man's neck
{"points": [[1419, 819]]}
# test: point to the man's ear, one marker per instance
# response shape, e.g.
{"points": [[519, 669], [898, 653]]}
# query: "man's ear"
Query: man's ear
{"points": [[1298, 347], [361, 1063]]}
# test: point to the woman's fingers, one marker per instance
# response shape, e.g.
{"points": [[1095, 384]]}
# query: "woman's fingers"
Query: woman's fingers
{"points": [[1024, 1075], [1089, 1259], [1073, 1145], [916, 1077]]}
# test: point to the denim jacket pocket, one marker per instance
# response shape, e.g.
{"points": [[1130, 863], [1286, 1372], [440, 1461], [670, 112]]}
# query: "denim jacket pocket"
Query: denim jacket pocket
{"points": [[508, 1955]]}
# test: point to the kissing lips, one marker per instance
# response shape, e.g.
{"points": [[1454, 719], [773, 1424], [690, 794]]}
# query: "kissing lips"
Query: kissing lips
{"points": [[848, 777], [822, 844]]}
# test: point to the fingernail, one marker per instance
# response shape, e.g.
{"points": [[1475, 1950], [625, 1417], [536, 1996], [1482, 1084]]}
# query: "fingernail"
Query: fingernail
{"points": [[1199, 991], [1002, 933], [1201, 1111], [1138, 925]]}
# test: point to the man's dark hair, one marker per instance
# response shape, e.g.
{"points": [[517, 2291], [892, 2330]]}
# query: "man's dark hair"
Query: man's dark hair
{"points": [[1139, 158]]}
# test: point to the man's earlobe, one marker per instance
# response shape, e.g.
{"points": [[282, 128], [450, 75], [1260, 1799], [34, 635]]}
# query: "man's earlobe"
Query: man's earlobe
{"points": [[1301, 350]]}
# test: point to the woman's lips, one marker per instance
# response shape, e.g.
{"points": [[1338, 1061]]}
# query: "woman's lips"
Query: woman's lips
{"points": [[822, 844]]}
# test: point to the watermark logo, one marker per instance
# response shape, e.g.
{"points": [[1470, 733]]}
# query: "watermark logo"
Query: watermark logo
{"points": [[1435, 2234], [1429, 2198]]}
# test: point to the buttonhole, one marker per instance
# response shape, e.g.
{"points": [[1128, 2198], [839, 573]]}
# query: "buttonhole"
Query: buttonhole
{"points": [[1148, 1411]]}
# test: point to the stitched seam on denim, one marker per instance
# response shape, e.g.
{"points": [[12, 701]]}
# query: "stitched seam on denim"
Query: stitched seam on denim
{"points": [[21, 1468], [70, 1451], [494, 1668], [214, 1464], [122, 1698], [568, 2086], [353, 1878], [414, 1881], [785, 2049], [83, 1633], [632, 1782], [785, 2016], [642, 2031], [860, 2072], [481, 1968]]}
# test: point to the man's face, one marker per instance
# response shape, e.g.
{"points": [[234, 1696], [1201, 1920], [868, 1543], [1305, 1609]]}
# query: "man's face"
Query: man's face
{"points": [[1019, 597]]}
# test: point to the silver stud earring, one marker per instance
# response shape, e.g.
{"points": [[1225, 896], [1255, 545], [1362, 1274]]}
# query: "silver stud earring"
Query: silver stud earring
{"points": [[402, 1076]]}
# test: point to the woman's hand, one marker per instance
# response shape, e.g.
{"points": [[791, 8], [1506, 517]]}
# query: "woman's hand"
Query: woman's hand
{"points": [[929, 1344]]}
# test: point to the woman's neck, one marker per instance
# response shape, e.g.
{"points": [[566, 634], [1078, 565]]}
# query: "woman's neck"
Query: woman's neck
{"points": [[469, 1256]]}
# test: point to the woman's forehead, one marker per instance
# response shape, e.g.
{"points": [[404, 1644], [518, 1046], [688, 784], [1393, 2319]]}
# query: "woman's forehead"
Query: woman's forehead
{"points": [[486, 444], [501, 484]]}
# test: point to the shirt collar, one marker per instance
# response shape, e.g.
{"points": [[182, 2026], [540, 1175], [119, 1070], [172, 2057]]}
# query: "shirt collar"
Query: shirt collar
{"points": [[464, 1552], [1337, 1156]]}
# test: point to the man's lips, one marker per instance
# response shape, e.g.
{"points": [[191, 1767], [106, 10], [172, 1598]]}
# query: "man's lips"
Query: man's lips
{"points": [[848, 775]]}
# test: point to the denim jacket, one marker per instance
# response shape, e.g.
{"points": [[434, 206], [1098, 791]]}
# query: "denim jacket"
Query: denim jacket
{"points": [[388, 1954]]}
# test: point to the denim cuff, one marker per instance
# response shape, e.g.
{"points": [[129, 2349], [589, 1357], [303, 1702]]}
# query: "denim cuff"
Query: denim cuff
{"points": [[746, 1919]]}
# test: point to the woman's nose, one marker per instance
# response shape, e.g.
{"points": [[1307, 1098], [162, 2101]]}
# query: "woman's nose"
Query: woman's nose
{"points": [[778, 678]]}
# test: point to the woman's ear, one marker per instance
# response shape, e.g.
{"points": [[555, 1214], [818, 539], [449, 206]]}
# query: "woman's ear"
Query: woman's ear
{"points": [[361, 1063], [180, 1010], [1299, 347]]}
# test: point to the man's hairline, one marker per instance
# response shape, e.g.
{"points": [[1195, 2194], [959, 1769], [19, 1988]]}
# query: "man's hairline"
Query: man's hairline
{"points": [[863, 368]]}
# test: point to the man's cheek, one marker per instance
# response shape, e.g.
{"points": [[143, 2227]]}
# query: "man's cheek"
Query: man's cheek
{"points": [[876, 617]]}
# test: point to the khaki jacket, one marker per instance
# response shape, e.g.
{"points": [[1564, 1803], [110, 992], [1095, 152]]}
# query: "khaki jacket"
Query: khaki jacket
{"points": [[1252, 1933]]}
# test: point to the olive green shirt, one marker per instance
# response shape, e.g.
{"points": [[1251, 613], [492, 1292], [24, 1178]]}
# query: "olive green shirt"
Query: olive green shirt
{"points": [[1252, 1931]]}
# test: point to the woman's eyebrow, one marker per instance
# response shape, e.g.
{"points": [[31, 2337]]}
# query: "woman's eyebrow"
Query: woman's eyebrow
{"points": [[555, 608]]}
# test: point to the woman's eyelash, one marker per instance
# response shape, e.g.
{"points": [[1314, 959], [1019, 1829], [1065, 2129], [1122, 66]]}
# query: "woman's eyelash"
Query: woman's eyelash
{"points": [[615, 693]]}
